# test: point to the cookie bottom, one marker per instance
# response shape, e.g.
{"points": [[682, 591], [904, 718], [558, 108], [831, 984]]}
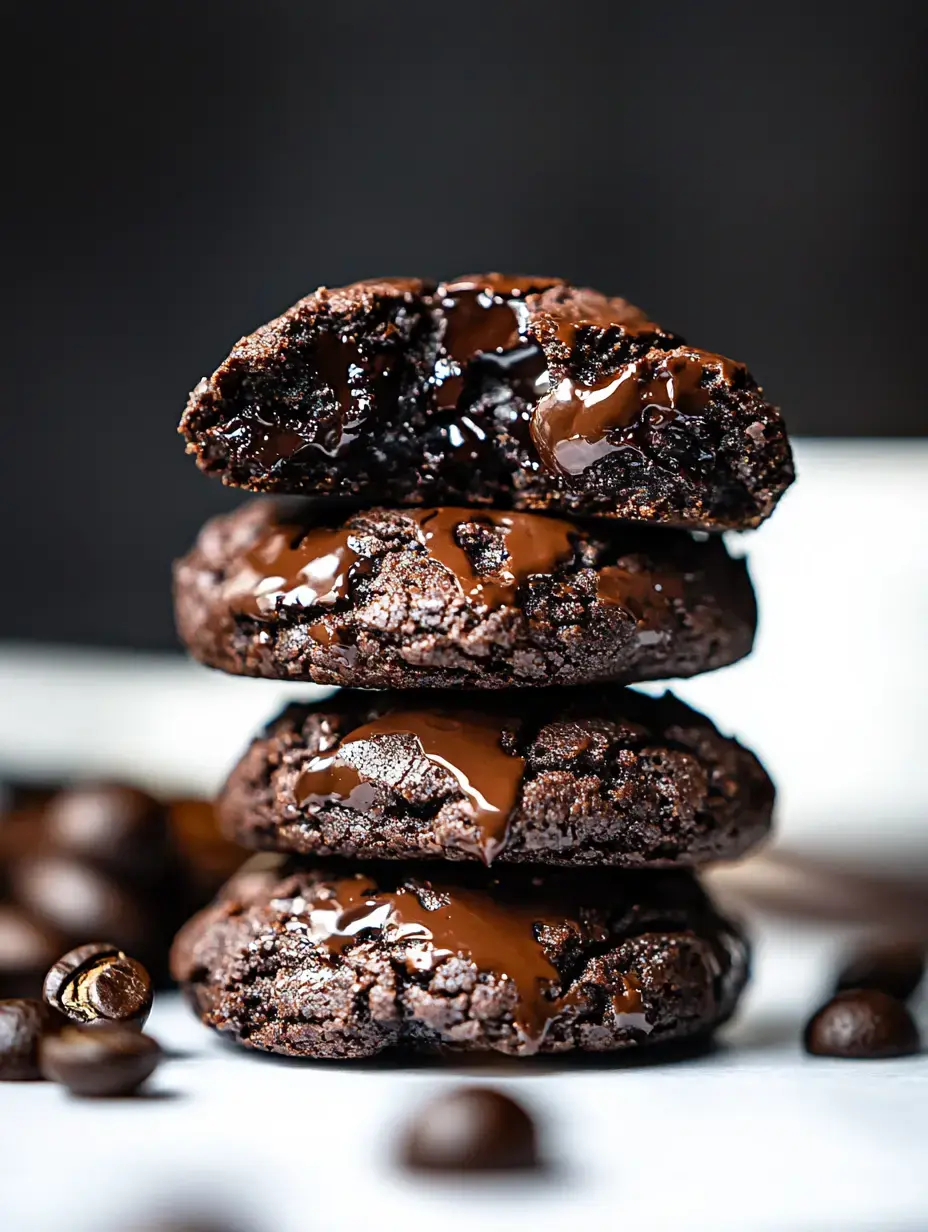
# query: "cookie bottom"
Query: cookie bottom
{"points": [[332, 960]]}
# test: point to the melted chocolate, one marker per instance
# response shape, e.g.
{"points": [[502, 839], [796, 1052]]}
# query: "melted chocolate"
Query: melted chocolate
{"points": [[438, 922], [638, 592], [533, 545], [482, 319], [466, 744], [576, 425], [629, 1008], [292, 567], [341, 365]]}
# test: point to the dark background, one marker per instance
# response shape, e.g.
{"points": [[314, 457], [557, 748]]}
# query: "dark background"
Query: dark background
{"points": [[178, 172]]}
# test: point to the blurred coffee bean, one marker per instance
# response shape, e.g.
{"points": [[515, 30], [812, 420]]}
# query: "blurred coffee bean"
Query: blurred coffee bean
{"points": [[862, 1023], [208, 855], [471, 1130], [102, 860], [894, 967], [106, 1061], [78, 900], [114, 826], [22, 1023], [27, 948], [98, 983]]}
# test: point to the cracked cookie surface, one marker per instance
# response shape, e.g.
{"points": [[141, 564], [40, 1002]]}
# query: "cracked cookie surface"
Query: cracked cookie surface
{"points": [[507, 390], [345, 961], [596, 775], [456, 597]]}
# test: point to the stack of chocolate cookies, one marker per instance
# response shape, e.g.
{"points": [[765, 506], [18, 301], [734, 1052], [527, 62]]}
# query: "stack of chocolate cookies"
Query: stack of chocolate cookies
{"points": [[511, 492]]}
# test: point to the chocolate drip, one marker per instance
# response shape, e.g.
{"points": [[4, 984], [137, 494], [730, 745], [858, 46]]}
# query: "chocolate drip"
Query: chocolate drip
{"points": [[436, 922], [629, 1008], [466, 744], [576, 425], [292, 567], [532, 545]]}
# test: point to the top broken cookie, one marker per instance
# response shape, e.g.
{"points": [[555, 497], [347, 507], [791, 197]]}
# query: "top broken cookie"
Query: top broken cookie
{"points": [[491, 389]]}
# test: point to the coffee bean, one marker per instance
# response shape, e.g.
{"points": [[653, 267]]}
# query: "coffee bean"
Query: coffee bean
{"points": [[117, 827], [894, 967], [27, 946], [208, 856], [22, 1023], [862, 1023], [77, 899], [112, 1059], [98, 983], [472, 1130]]}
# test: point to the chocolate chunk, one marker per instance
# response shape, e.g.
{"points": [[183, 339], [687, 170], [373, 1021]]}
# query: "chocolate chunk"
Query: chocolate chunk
{"points": [[862, 1023], [22, 1023], [472, 1130], [894, 967], [592, 775], [336, 960], [109, 1060], [470, 599], [96, 984], [516, 391]]}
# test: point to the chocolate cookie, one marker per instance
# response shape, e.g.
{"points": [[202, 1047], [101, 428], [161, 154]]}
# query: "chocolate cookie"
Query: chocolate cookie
{"points": [[346, 961], [592, 776], [510, 390], [478, 599]]}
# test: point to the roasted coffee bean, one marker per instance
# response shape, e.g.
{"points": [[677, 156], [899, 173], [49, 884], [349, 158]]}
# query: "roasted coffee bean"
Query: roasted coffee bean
{"points": [[98, 983], [862, 1023], [77, 899], [207, 855], [117, 827], [111, 1060], [27, 946], [894, 967], [471, 1130], [22, 1023]]}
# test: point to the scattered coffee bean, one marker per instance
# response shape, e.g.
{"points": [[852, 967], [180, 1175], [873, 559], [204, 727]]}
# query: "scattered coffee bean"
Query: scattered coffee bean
{"points": [[862, 1023], [76, 898], [894, 967], [22, 1022], [471, 1130], [98, 983], [27, 947], [110, 1060], [117, 827]]}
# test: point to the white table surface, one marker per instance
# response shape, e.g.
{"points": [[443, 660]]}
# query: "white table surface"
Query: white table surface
{"points": [[754, 1136]]}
